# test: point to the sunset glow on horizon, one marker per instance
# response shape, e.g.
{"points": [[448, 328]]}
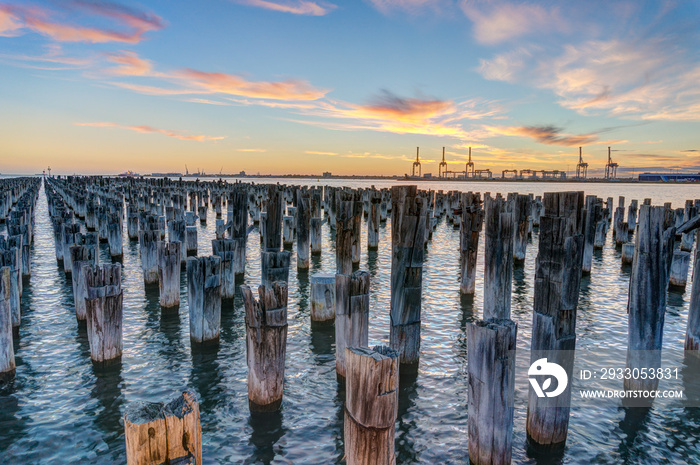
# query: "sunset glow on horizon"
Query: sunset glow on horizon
{"points": [[306, 86]]}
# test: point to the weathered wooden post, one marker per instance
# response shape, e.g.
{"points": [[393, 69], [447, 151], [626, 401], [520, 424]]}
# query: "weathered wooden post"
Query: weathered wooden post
{"points": [[521, 211], [169, 274], [557, 280], [114, 236], [226, 250], [649, 278], [204, 297], [491, 367], [351, 314], [345, 219], [10, 259], [373, 222], [621, 230], [148, 247], [81, 256], [158, 433], [692, 335], [132, 223], [498, 260], [315, 235], [592, 223], [103, 307], [322, 298], [191, 240], [679, 269], [71, 235], [371, 405], [356, 231], [303, 217], [176, 233], [407, 242], [632, 216], [471, 224], [266, 345], [7, 351], [287, 231], [274, 261], [627, 254], [239, 228]]}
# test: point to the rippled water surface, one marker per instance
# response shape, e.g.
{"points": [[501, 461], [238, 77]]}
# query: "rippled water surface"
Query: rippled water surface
{"points": [[60, 410]]}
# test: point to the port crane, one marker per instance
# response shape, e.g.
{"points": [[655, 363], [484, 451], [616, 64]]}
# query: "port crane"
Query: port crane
{"points": [[416, 164], [442, 169], [610, 168], [470, 166], [581, 168]]}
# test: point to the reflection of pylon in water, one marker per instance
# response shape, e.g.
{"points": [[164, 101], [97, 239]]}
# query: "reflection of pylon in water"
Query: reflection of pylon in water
{"points": [[442, 169], [416, 164], [470, 166]]}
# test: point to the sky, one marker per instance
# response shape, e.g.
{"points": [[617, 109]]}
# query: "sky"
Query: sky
{"points": [[350, 87]]}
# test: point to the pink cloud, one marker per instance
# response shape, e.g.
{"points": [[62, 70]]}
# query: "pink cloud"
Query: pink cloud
{"points": [[297, 7], [131, 25], [149, 129], [502, 21]]}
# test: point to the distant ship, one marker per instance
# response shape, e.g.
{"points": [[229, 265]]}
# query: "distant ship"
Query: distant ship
{"points": [[128, 174]]}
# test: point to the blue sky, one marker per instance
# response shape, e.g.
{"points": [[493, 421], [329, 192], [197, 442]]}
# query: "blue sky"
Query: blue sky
{"points": [[302, 86]]}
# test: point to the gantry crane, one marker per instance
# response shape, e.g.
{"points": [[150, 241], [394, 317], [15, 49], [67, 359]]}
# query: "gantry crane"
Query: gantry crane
{"points": [[610, 168], [581, 168], [416, 164], [470, 166], [442, 169]]}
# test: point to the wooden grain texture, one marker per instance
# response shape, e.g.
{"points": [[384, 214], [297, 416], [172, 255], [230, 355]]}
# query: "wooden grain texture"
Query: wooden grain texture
{"points": [[521, 215], [303, 226], [148, 248], [692, 335], [322, 296], [491, 369], [498, 259], [345, 223], [103, 306], [7, 353], [373, 222], [557, 281], [649, 279], [158, 434], [204, 298], [351, 314], [680, 263], [226, 250], [80, 257], [371, 405], [471, 225], [408, 216], [169, 274], [266, 345]]}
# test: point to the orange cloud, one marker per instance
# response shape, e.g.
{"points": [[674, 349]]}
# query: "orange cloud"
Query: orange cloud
{"points": [[298, 7], [550, 135], [131, 24], [314, 152], [149, 129]]}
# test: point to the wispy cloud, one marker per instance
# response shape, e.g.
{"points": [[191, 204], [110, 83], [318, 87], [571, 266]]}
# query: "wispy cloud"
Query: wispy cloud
{"points": [[297, 7], [149, 129], [500, 21], [130, 24], [251, 150], [129, 63], [53, 55], [314, 152], [550, 135], [412, 7]]}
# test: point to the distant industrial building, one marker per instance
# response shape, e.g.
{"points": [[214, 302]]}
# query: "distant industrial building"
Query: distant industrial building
{"points": [[327, 174], [669, 177]]}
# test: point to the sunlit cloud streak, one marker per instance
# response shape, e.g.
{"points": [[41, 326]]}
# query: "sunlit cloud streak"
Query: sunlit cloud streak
{"points": [[297, 7], [550, 135], [251, 150], [501, 21], [131, 25], [149, 129]]}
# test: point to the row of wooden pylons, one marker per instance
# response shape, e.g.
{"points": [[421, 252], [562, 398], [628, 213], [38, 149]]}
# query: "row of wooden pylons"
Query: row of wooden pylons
{"points": [[570, 228]]}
